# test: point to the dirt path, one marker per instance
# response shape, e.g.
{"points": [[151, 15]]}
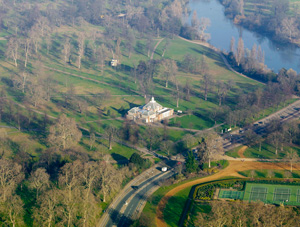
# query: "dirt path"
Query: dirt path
{"points": [[232, 170], [159, 41], [241, 151]]}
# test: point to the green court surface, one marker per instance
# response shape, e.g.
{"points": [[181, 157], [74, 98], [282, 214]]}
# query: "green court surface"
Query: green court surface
{"points": [[230, 194], [273, 193]]}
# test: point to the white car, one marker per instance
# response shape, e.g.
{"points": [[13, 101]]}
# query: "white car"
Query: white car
{"points": [[164, 169]]}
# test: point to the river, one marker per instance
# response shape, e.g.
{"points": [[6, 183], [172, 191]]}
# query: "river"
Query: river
{"points": [[222, 29]]}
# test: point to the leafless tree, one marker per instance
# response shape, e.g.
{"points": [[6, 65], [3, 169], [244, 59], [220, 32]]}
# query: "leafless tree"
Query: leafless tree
{"points": [[189, 140], [69, 181], [27, 46], [149, 46], [90, 176], [35, 37], [170, 69], [39, 180], [211, 147], [222, 90], [167, 146], [275, 139], [176, 9], [92, 140], [43, 26], [67, 50], [64, 133], [270, 173], [118, 50], [12, 50], [110, 180], [36, 92], [20, 81], [101, 55], [204, 23], [10, 177], [15, 211], [292, 157], [150, 137], [232, 45], [48, 209], [288, 28], [81, 41], [166, 46], [207, 85], [240, 53], [111, 132]]}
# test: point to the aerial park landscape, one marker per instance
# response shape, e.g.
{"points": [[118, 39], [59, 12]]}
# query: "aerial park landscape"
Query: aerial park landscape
{"points": [[149, 113]]}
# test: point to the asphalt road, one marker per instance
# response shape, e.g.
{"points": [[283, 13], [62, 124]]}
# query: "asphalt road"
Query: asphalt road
{"points": [[289, 113], [134, 203], [121, 214]]}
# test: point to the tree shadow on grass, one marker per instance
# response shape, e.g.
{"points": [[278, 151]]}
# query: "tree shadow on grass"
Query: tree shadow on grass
{"points": [[173, 210], [131, 104], [278, 175], [208, 53], [120, 159], [29, 199]]}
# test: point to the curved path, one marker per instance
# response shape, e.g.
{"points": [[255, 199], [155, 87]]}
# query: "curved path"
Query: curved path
{"points": [[159, 41], [232, 170], [241, 151]]}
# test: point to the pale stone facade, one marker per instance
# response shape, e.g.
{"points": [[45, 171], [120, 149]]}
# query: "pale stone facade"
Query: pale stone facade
{"points": [[151, 112]]}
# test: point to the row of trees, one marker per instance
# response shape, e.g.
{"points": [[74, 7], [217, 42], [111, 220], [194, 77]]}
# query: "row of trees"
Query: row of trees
{"points": [[243, 214], [70, 199]]}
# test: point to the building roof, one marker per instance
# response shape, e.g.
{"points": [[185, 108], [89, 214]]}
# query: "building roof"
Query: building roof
{"points": [[153, 105], [148, 113], [134, 110]]}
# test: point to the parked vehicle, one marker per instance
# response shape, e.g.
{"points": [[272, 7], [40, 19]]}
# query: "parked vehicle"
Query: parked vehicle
{"points": [[164, 169]]}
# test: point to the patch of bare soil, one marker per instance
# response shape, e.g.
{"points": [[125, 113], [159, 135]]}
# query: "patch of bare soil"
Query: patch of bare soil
{"points": [[241, 151]]}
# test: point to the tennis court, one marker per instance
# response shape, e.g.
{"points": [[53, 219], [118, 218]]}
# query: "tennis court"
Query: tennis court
{"points": [[282, 194], [231, 194], [273, 193], [258, 193]]}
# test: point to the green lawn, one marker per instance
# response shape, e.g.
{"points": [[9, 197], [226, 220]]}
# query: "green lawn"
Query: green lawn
{"points": [[268, 151], [265, 173], [175, 206], [151, 205], [191, 122], [234, 152]]}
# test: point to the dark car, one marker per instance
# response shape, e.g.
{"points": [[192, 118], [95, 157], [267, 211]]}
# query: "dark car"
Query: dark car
{"points": [[135, 187]]}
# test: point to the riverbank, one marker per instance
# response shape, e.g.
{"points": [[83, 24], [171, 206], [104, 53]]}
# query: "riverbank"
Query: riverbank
{"points": [[222, 30], [229, 67], [260, 24]]}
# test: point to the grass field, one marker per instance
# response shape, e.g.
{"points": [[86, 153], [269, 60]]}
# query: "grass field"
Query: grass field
{"points": [[174, 207], [234, 152], [268, 151], [266, 173]]}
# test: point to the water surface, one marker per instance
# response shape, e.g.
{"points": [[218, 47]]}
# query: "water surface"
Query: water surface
{"points": [[222, 29]]}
